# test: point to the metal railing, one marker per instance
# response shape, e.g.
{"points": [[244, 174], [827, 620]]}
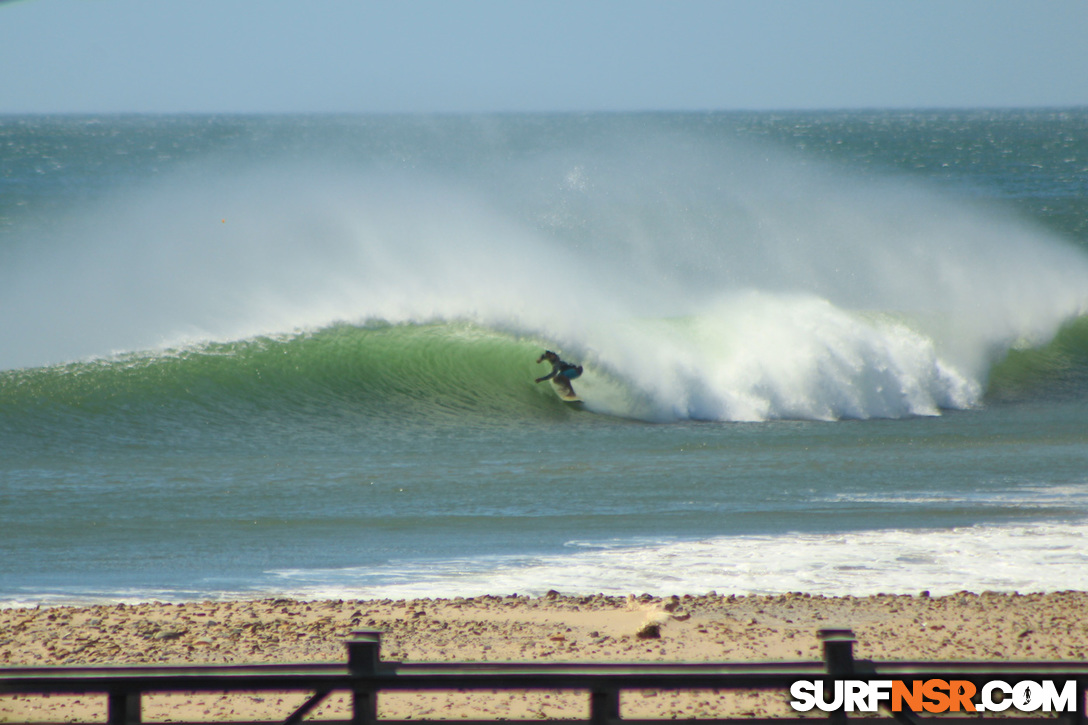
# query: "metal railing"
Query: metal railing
{"points": [[365, 675]]}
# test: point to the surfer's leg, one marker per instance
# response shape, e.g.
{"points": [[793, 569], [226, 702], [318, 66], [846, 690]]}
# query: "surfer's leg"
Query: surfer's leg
{"points": [[563, 381], [564, 386]]}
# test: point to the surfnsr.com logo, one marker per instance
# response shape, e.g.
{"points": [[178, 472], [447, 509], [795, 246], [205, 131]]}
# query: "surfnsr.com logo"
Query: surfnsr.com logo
{"points": [[934, 696]]}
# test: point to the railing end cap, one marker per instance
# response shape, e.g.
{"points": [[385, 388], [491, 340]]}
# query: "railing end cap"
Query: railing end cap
{"points": [[836, 635], [366, 635]]}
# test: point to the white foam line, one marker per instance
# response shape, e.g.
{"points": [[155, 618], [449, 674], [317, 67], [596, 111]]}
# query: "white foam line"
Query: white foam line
{"points": [[1036, 557], [1025, 558]]}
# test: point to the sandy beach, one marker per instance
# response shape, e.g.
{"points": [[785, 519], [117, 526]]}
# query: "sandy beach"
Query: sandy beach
{"points": [[553, 628]]}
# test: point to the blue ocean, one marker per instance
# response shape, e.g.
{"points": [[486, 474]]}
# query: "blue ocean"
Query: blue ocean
{"points": [[839, 353]]}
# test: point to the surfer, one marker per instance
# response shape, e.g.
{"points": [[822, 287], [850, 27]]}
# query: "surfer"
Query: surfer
{"points": [[562, 373]]}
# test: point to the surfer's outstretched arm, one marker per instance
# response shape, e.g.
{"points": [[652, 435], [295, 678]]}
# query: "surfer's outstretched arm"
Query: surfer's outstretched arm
{"points": [[554, 360]]}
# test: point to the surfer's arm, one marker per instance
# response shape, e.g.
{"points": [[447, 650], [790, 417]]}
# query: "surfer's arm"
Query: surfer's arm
{"points": [[556, 369]]}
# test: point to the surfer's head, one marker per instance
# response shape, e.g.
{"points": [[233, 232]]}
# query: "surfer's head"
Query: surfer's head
{"points": [[548, 355]]}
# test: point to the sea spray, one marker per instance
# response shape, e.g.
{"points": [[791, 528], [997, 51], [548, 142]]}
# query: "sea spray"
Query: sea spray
{"points": [[696, 277], [756, 356]]}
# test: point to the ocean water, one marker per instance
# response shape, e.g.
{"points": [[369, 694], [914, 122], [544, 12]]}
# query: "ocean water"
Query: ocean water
{"points": [[841, 353]]}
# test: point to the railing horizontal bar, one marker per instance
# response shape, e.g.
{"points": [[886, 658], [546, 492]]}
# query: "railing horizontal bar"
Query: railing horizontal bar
{"points": [[212, 682], [227, 670], [418, 669], [929, 720], [622, 721], [205, 681], [982, 668], [431, 682], [202, 683], [246, 722], [423, 680], [409, 669], [366, 674], [593, 679], [621, 670], [696, 721], [249, 722], [404, 677]]}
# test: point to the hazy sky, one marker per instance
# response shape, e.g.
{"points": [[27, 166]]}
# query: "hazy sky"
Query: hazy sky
{"points": [[538, 55]]}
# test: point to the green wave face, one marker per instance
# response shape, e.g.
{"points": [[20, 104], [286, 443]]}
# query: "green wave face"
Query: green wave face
{"points": [[1058, 369], [380, 378], [342, 376]]}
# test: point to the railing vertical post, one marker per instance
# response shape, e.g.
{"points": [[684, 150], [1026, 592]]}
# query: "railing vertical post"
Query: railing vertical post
{"points": [[123, 708], [364, 654], [604, 706], [839, 660], [838, 650]]}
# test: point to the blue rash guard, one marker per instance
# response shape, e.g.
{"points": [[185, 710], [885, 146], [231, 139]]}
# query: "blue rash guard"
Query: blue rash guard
{"points": [[568, 371], [564, 369]]}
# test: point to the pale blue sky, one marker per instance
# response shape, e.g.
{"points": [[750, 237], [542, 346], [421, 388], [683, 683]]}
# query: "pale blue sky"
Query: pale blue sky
{"points": [[545, 55]]}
